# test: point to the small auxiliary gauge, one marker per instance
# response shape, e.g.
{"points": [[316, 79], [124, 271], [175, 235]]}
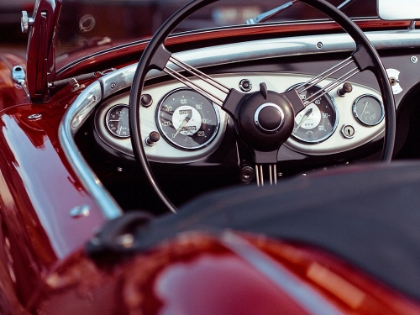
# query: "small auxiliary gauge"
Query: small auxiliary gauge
{"points": [[368, 110], [116, 121]]}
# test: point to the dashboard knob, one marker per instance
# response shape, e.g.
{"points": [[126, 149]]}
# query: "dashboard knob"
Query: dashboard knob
{"points": [[146, 100], [153, 137], [347, 88], [26, 22]]}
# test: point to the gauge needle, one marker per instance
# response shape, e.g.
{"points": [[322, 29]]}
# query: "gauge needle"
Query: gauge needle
{"points": [[186, 120], [119, 130], [308, 112], [364, 108]]}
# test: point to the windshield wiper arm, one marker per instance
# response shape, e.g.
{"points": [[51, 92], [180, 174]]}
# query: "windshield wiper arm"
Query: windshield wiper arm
{"points": [[269, 14], [345, 3]]}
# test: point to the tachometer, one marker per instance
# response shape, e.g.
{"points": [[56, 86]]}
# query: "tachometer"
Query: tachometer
{"points": [[317, 121], [187, 119]]}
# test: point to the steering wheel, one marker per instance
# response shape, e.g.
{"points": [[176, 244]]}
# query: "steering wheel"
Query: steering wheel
{"points": [[264, 120]]}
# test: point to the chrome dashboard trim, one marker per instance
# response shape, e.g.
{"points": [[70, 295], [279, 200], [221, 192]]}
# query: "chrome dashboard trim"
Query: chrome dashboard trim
{"points": [[269, 48], [77, 113]]}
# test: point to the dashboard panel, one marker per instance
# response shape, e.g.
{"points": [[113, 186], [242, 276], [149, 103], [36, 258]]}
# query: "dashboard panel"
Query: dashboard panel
{"points": [[331, 124]]}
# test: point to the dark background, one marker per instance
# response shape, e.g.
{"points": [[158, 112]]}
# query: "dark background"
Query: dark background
{"points": [[12, 39]]}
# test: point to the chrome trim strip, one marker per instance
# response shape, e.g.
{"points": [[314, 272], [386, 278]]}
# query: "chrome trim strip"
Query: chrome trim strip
{"points": [[75, 116], [298, 290]]}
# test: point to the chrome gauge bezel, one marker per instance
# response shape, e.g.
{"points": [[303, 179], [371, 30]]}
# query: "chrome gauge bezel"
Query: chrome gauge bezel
{"points": [[359, 119], [107, 119], [176, 144], [334, 127]]}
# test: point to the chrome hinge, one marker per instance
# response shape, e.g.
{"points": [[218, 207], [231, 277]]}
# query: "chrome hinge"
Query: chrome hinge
{"points": [[74, 81]]}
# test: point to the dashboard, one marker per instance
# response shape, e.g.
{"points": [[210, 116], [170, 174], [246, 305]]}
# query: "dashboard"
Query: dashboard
{"points": [[338, 130], [185, 126], [339, 123]]}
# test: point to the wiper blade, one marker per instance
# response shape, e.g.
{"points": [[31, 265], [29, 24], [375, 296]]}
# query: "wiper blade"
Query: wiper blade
{"points": [[269, 14]]}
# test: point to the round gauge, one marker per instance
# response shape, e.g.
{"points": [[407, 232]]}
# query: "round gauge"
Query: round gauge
{"points": [[116, 121], [368, 110], [317, 121], [187, 119]]}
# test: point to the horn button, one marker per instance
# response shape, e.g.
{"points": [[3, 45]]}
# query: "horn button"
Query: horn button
{"points": [[265, 120], [269, 117]]}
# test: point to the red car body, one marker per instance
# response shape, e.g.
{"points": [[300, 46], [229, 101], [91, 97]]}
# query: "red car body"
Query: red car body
{"points": [[44, 266]]}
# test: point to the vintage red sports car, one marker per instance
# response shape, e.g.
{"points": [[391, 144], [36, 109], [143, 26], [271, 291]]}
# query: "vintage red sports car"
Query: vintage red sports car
{"points": [[236, 157]]}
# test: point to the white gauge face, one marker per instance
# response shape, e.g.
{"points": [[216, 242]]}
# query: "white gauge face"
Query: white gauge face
{"points": [[186, 120], [317, 121], [308, 118]]}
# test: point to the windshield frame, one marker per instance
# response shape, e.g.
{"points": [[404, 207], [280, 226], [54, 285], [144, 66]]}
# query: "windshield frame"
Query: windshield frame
{"points": [[81, 28]]}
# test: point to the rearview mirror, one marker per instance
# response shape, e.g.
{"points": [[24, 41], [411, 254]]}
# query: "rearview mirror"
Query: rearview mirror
{"points": [[399, 9]]}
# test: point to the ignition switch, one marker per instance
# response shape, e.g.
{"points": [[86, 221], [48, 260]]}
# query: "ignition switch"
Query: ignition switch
{"points": [[348, 131]]}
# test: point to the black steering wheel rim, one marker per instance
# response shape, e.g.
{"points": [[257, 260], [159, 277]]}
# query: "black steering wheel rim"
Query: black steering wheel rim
{"points": [[154, 57]]}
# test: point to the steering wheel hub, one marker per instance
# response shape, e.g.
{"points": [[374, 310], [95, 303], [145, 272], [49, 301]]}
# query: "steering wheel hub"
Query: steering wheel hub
{"points": [[265, 122]]}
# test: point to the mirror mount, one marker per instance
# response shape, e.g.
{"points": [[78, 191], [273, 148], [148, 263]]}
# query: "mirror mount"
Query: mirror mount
{"points": [[403, 10]]}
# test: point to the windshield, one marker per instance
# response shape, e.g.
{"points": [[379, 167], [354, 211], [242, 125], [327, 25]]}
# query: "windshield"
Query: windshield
{"points": [[101, 24]]}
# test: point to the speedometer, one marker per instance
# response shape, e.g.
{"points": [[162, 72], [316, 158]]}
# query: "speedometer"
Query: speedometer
{"points": [[187, 119], [317, 121]]}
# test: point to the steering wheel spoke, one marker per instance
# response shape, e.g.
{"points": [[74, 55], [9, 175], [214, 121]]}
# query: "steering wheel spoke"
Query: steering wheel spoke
{"points": [[188, 75], [347, 65], [272, 174]]}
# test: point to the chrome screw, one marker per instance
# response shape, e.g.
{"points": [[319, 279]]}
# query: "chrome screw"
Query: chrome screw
{"points": [[414, 59], [245, 85], [319, 45], [35, 116], [80, 211]]}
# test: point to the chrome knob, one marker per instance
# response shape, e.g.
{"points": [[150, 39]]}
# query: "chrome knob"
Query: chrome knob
{"points": [[26, 22]]}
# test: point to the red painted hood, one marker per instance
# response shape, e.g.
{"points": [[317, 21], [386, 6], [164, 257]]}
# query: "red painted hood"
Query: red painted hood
{"points": [[227, 274]]}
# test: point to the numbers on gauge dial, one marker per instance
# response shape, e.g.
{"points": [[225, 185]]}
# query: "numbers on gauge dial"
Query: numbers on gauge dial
{"points": [[308, 118], [317, 121]]}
